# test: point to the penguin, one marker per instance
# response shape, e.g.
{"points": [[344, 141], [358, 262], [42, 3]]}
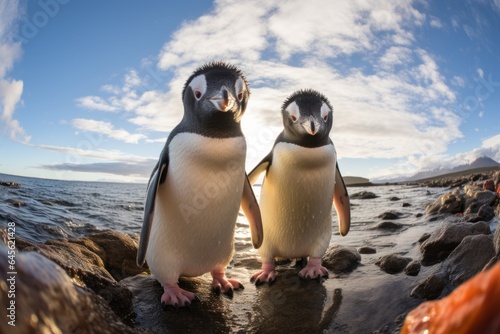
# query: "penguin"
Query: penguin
{"points": [[302, 179], [197, 187]]}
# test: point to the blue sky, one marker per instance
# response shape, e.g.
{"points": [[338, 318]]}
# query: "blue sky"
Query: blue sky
{"points": [[90, 89]]}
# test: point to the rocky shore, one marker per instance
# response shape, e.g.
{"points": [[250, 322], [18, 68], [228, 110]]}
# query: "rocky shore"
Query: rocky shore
{"points": [[92, 285]]}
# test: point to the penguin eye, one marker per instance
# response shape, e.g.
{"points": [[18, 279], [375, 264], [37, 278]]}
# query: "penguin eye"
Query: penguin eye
{"points": [[325, 118], [294, 118], [240, 96], [197, 94]]}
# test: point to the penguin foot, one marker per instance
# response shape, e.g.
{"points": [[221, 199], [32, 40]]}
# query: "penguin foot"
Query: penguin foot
{"points": [[314, 269], [266, 274], [223, 284], [175, 297]]}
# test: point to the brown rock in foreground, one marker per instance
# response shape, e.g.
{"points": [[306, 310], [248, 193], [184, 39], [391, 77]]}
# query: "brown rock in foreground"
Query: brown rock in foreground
{"points": [[47, 301]]}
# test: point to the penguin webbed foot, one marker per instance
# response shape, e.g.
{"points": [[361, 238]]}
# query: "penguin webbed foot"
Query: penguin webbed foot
{"points": [[174, 297], [225, 285], [266, 274], [314, 270]]}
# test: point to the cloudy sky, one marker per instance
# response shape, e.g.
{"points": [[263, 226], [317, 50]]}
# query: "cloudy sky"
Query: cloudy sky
{"points": [[89, 90]]}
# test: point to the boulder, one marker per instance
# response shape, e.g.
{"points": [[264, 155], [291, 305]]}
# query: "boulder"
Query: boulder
{"points": [[363, 195], [445, 239], [389, 215], [430, 288], [485, 197], [367, 250], [389, 226], [486, 212], [412, 268], [451, 202], [94, 262], [405, 204], [496, 240], [489, 185], [469, 258], [393, 263], [394, 198], [47, 301], [341, 259]]}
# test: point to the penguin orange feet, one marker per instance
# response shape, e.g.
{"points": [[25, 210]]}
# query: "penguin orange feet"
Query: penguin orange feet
{"points": [[223, 284], [314, 269], [266, 274], [176, 297]]}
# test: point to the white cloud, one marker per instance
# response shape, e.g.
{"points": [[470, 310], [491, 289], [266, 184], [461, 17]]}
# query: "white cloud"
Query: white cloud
{"points": [[480, 72], [391, 103], [10, 89], [435, 22], [107, 129], [99, 154], [95, 102]]}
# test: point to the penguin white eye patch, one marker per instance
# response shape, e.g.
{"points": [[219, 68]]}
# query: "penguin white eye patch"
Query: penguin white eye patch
{"points": [[240, 88], [293, 110], [199, 86], [325, 110]]}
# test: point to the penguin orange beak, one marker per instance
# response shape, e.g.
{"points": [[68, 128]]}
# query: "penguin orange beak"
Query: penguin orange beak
{"points": [[224, 100], [311, 126]]}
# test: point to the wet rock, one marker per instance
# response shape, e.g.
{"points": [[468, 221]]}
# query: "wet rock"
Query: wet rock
{"points": [[430, 288], [489, 185], [363, 195], [394, 198], [486, 212], [405, 204], [496, 240], [47, 301], [389, 226], [412, 268], [390, 215], [119, 253], [471, 207], [496, 178], [444, 240], [97, 262], [424, 237], [10, 184], [473, 218], [498, 190], [393, 263], [452, 202], [15, 203], [485, 197], [418, 215], [367, 250], [469, 258], [341, 259]]}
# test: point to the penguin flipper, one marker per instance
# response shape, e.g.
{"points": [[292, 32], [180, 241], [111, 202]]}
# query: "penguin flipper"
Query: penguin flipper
{"points": [[342, 203], [262, 166], [158, 176], [251, 209]]}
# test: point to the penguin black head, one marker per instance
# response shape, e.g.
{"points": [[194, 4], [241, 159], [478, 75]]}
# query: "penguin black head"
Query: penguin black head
{"points": [[307, 116], [216, 93]]}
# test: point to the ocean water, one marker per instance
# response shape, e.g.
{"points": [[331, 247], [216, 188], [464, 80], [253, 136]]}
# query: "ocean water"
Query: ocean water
{"points": [[45, 209], [50, 209]]}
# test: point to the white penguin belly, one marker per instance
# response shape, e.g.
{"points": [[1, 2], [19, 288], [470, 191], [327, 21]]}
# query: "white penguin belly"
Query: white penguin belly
{"points": [[196, 207], [296, 201]]}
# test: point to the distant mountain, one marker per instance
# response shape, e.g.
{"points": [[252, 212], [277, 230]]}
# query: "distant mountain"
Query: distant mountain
{"points": [[481, 162]]}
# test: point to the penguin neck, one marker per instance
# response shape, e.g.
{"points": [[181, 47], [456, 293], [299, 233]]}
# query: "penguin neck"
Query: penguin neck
{"points": [[216, 125], [304, 141]]}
